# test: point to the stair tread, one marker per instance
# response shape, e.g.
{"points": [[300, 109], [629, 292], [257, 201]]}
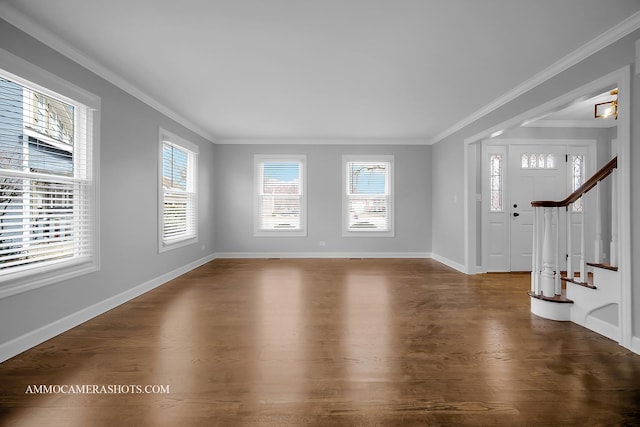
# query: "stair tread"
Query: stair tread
{"points": [[557, 298], [603, 265], [588, 284]]}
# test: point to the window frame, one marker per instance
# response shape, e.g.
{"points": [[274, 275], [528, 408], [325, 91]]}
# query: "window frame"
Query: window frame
{"points": [[390, 186], [29, 75], [258, 160], [191, 236]]}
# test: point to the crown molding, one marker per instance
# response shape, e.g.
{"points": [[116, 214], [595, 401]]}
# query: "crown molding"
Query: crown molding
{"points": [[48, 38], [613, 34], [322, 141]]}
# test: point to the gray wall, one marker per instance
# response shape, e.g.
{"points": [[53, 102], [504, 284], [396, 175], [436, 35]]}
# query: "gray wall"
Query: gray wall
{"points": [[448, 201], [128, 199], [234, 200], [448, 218]]}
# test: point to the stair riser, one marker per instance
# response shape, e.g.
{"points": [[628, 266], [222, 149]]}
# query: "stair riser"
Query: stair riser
{"points": [[586, 301], [551, 310]]}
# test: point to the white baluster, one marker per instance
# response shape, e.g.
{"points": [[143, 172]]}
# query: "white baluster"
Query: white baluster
{"points": [[539, 233], [569, 242], [613, 259], [558, 284], [598, 243], [583, 265], [547, 279]]}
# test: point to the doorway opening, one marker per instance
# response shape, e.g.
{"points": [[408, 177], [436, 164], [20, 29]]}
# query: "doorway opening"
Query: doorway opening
{"points": [[515, 172], [521, 127]]}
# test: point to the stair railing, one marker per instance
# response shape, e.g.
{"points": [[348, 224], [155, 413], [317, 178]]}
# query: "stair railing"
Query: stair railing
{"points": [[545, 259]]}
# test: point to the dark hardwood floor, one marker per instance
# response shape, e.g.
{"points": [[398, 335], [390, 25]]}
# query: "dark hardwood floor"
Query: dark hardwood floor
{"points": [[323, 343]]}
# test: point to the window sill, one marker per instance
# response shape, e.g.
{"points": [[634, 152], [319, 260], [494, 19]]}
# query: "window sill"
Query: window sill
{"points": [[19, 283], [177, 243], [280, 233], [367, 233]]}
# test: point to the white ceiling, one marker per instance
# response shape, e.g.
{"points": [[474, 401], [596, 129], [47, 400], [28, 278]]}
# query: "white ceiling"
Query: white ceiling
{"points": [[319, 69]]}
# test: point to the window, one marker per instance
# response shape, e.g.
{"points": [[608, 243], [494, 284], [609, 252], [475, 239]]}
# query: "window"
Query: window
{"points": [[577, 178], [280, 207], [47, 184], [367, 196], [496, 193], [179, 197], [538, 161]]}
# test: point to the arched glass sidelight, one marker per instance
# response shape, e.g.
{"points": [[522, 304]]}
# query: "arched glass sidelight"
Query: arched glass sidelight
{"points": [[577, 179], [496, 185]]}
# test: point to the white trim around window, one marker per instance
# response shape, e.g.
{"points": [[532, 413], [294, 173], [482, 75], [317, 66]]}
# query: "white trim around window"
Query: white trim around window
{"points": [[178, 192], [50, 178], [367, 196], [280, 195]]}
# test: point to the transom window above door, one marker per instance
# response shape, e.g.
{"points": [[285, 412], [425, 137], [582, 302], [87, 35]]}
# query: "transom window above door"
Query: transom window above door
{"points": [[538, 161]]}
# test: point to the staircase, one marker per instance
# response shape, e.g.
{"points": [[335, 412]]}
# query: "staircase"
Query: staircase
{"points": [[591, 295]]}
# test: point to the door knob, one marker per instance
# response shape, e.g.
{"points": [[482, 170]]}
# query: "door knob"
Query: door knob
{"points": [[516, 214]]}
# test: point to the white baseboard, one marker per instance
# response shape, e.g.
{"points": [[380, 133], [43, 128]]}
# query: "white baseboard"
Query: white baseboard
{"points": [[24, 342], [441, 259], [603, 328], [449, 263], [635, 345], [322, 255]]}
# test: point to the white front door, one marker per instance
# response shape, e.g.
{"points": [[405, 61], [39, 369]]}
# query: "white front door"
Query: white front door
{"points": [[513, 175], [535, 173]]}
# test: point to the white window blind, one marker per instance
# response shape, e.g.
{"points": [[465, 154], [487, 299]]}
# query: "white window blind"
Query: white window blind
{"points": [[46, 183], [179, 196], [280, 195], [367, 205]]}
